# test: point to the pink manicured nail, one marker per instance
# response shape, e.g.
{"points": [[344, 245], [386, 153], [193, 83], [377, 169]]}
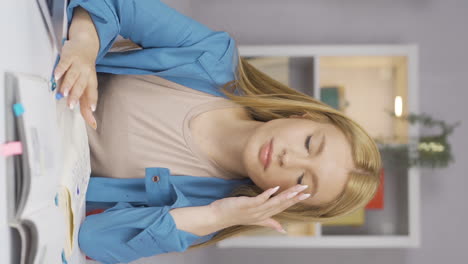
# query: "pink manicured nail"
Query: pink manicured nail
{"points": [[304, 196], [72, 104], [274, 190], [58, 75], [291, 195], [282, 231]]}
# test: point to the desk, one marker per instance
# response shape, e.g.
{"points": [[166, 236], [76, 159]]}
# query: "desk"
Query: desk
{"points": [[26, 48]]}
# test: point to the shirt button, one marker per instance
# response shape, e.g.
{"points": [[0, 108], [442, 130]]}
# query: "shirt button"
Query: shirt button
{"points": [[155, 178]]}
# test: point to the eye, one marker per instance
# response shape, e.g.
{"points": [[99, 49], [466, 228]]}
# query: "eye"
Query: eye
{"points": [[307, 142], [299, 181]]}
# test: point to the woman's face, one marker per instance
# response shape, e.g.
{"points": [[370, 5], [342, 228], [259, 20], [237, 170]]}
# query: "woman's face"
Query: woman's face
{"points": [[291, 158]]}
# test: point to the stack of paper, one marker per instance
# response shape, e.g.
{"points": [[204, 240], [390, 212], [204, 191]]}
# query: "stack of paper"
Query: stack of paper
{"points": [[47, 183]]}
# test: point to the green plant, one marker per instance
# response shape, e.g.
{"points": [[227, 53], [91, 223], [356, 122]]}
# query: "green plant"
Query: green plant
{"points": [[426, 151]]}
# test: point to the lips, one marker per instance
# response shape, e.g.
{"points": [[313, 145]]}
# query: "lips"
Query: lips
{"points": [[265, 154]]}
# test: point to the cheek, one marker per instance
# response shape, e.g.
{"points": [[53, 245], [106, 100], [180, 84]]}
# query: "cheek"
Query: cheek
{"points": [[273, 179], [278, 179], [250, 155]]}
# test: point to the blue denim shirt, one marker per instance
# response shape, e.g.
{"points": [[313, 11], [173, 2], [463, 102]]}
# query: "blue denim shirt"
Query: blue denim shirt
{"points": [[136, 222], [175, 46]]}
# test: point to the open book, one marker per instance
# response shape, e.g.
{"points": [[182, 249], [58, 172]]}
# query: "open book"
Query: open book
{"points": [[47, 183]]}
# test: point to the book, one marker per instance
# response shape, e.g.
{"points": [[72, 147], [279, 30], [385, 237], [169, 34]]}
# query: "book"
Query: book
{"points": [[378, 201], [48, 181]]}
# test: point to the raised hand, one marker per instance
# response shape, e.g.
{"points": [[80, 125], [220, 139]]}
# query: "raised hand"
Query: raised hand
{"points": [[257, 210]]}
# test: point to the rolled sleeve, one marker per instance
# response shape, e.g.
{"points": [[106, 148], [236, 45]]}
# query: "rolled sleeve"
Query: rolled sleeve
{"points": [[105, 21], [149, 23], [124, 233], [174, 46]]}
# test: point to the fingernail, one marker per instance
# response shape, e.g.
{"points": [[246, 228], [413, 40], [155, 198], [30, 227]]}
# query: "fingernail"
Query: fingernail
{"points": [[274, 190], [72, 104], [94, 125], [304, 196], [302, 187], [93, 107], [282, 231], [291, 195], [65, 93], [58, 76]]}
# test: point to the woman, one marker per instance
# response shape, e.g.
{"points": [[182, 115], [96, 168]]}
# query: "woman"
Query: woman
{"points": [[185, 100]]}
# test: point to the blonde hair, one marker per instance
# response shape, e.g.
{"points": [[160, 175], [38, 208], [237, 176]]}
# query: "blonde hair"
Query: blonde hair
{"points": [[266, 99]]}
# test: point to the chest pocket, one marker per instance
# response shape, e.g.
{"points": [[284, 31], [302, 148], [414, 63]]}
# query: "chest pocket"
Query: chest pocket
{"points": [[160, 191]]}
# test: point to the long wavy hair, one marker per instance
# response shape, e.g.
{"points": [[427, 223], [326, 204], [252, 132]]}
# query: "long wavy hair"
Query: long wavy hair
{"points": [[266, 99]]}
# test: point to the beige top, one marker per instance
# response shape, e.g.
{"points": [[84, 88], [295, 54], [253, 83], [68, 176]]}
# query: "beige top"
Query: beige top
{"points": [[144, 121]]}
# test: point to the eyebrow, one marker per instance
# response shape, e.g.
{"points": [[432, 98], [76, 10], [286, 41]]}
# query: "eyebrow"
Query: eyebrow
{"points": [[314, 176]]}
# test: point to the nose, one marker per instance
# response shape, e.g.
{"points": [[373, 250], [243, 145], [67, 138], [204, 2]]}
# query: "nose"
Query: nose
{"points": [[289, 158]]}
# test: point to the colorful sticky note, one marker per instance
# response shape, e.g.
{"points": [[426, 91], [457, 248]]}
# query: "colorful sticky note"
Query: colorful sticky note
{"points": [[64, 260], [56, 199], [378, 201], [52, 78], [11, 148], [18, 109]]}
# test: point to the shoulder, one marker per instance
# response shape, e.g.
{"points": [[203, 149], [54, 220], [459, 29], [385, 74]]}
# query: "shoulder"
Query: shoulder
{"points": [[220, 58]]}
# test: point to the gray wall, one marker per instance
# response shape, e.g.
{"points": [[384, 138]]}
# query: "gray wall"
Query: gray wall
{"points": [[439, 27]]}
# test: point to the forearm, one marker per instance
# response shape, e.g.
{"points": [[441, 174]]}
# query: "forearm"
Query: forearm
{"points": [[198, 220], [82, 29]]}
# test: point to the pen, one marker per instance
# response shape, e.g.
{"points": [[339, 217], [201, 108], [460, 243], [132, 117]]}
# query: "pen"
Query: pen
{"points": [[58, 95]]}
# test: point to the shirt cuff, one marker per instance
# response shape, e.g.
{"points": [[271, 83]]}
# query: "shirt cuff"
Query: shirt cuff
{"points": [[104, 19]]}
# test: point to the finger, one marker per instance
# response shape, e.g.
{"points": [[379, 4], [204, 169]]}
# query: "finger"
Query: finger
{"points": [[77, 89], [91, 92], [69, 80], [270, 222], [266, 205], [288, 202], [87, 113], [281, 198], [62, 67], [91, 96], [263, 197]]}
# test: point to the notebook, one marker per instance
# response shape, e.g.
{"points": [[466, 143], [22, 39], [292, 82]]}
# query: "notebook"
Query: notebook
{"points": [[47, 183]]}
